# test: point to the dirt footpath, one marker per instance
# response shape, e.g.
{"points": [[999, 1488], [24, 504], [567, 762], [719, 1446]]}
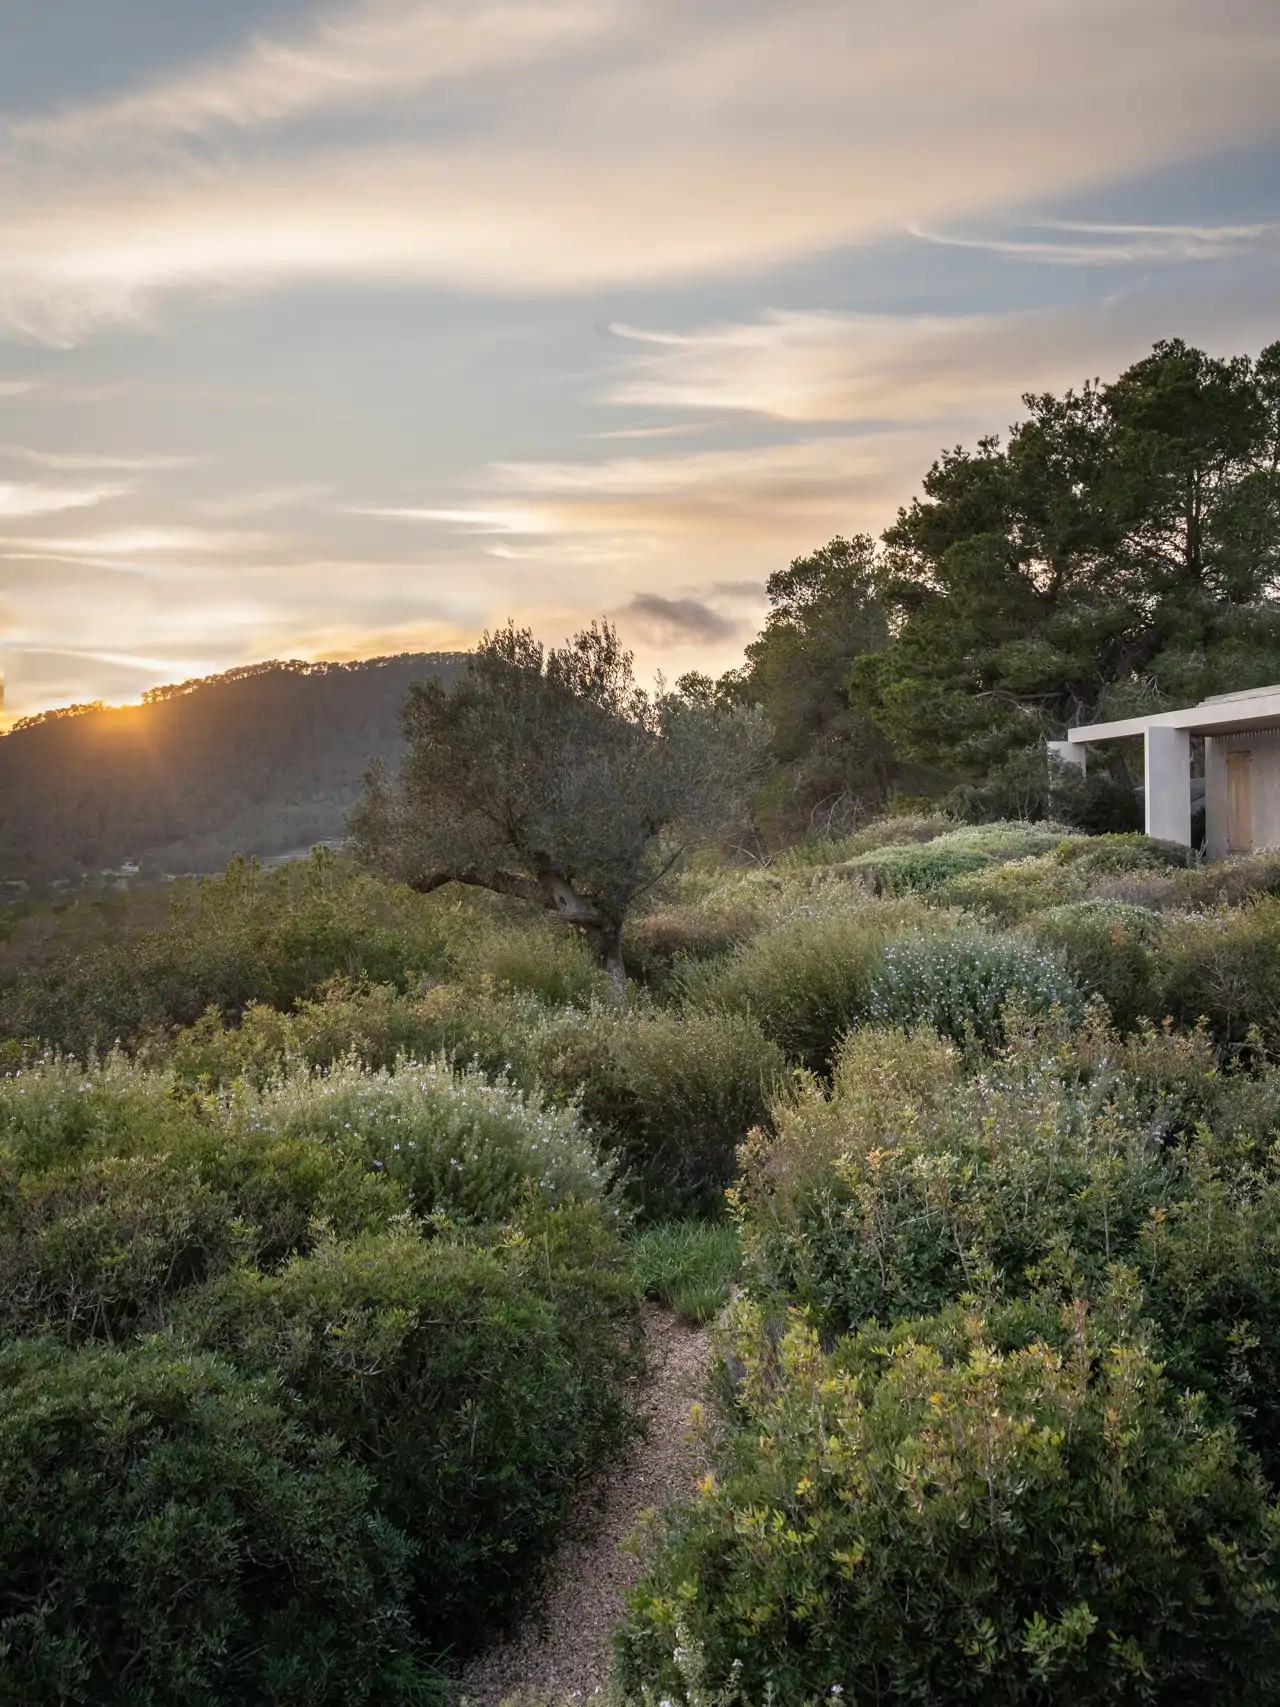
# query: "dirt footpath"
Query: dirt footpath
{"points": [[561, 1650]]}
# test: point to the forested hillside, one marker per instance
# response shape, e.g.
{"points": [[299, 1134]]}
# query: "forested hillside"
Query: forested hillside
{"points": [[257, 761]]}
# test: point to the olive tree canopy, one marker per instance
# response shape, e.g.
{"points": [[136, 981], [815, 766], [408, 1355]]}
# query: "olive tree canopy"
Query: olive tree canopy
{"points": [[550, 775]]}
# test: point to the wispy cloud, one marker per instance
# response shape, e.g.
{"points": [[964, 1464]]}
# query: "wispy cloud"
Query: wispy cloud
{"points": [[140, 541], [266, 501], [352, 55], [31, 500], [72, 461], [478, 521], [818, 366], [690, 142], [1116, 245], [668, 432]]}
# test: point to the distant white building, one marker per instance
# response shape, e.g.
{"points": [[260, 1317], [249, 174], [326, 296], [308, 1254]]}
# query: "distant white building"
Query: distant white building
{"points": [[1241, 767]]}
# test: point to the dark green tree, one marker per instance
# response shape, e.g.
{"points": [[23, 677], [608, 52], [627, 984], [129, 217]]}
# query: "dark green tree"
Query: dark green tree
{"points": [[1121, 550], [551, 776], [829, 757]]}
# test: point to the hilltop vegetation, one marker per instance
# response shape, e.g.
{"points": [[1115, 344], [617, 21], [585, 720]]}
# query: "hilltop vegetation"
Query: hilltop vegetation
{"points": [[260, 760]]}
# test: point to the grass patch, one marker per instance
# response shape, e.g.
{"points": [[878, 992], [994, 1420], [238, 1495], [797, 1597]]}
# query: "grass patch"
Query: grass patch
{"points": [[690, 1266]]}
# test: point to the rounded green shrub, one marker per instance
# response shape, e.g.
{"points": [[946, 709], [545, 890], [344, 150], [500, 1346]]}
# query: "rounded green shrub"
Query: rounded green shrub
{"points": [[1224, 966], [93, 1250], [174, 1538], [959, 984], [1112, 948], [455, 1143], [678, 1093], [1120, 852], [476, 1387], [931, 1515], [916, 870], [807, 980]]}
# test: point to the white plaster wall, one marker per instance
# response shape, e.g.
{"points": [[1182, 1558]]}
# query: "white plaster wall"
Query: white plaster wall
{"points": [[1264, 744]]}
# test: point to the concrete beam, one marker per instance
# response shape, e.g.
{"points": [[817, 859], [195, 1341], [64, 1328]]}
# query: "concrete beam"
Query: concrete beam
{"points": [[1168, 783], [1070, 753]]}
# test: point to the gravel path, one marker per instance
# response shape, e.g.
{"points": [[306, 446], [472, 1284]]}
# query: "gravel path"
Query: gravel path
{"points": [[561, 1651]]}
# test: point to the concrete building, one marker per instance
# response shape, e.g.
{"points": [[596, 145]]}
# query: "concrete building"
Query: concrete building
{"points": [[1241, 767]]}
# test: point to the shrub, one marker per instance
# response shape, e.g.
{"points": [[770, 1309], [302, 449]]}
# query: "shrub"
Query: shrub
{"points": [[1112, 948], [1210, 1265], [54, 1109], [274, 937], [90, 1250], [899, 871], [375, 1023], [110, 1174], [1010, 839], [1126, 851], [1010, 892], [678, 1093], [476, 1386], [880, 833], [690, 1266], [670, 1095], [532, 955], [925, 1516], [959, 984], [1225, 965], [806, 981], [916, 1181], [655, 944], [456, 1144], [182, 1541]]}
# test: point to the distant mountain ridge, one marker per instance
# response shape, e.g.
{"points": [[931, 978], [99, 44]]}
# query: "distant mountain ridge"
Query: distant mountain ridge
{"points": [[260, 760]]}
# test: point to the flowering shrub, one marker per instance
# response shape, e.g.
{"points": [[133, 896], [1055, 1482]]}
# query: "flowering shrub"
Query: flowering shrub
{"points": [[457, 1144], [56, 1108], [965, 1508], [916, 1182], [960, 984]]}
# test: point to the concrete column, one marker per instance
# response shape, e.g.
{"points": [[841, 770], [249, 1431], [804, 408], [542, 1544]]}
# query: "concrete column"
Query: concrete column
{"points": [[1168, 783], [1215, 797], [1069, 753]]}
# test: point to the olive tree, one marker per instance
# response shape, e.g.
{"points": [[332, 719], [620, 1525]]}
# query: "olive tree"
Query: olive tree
{"points": [[551, 776]]}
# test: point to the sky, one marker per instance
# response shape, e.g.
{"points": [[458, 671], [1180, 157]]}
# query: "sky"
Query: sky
{"points": [[339, 329]]}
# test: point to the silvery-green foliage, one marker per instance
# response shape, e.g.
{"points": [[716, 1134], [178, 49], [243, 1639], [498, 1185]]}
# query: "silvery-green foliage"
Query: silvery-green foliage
{"points": [[959, 984], [460, 1145], [554, 777]]}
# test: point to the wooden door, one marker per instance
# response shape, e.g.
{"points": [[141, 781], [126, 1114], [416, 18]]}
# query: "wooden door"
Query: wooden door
{"points": [[1239, 802]]}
